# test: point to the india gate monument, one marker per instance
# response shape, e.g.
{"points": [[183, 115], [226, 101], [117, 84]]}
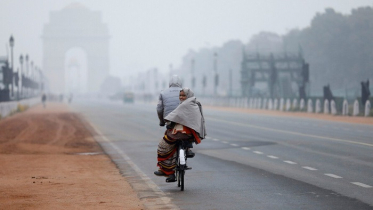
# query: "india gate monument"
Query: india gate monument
{"points": [[75, 50]]}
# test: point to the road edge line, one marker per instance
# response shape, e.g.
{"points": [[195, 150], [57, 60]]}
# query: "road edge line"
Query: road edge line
{"points": [[167, 203]]}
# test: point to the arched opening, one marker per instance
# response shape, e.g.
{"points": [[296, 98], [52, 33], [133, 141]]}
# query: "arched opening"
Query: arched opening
{"points": [[76, 73]]}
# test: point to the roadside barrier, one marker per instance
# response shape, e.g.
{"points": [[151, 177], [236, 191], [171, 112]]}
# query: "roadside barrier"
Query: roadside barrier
{"points": [[326, 106], [333, 108], [345, 107], [356, 108], [367, 109], [318, 106], [10, 107], [309, 106], [301, 104], [286, 104]]}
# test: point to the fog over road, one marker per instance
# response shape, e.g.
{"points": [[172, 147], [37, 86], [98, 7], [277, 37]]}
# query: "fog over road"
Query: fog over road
{"points": [[248, 161]]}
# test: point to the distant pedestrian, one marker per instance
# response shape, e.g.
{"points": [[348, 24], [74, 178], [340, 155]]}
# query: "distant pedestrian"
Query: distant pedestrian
{"points": [[44, 99], [61, 97], [70, 98]]}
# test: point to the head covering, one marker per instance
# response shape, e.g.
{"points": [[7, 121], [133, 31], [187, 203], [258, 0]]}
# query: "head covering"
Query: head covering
{"points": [[188, 92], [189, 113], [175, 81]]}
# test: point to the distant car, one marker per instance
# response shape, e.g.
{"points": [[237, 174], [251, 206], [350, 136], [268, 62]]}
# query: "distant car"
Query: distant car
{"points": [[128, 97], [116, 96]]}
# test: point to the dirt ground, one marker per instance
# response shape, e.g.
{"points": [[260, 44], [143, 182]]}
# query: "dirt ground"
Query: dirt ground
{"points": [[49, 160]]}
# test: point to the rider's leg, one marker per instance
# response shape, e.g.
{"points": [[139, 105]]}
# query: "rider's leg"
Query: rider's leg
{"points": [[171, 178], [160, 173], [189, 152]]}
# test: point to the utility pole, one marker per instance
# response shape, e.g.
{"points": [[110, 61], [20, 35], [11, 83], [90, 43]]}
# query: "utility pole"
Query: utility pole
{"points": [[204, 83], [27, 74]]}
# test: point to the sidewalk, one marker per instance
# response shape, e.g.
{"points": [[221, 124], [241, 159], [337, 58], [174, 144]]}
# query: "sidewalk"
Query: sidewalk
{"points": [[49, 160]]}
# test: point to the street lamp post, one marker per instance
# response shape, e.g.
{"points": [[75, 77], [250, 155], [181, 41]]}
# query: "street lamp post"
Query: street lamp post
{"points": [[27, 74], [230, 83], [11, 43], [27, 69], [32, 73], [171, 73], [216, 77], [20, 76], [192, 72], [41, 83], [204, 83]]}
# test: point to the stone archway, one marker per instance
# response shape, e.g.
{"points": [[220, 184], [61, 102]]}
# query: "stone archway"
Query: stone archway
{"points": [[76, 74], [75, 26]]}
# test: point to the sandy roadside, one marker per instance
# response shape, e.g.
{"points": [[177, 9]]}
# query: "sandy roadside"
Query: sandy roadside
{"points": [[49, 160]]}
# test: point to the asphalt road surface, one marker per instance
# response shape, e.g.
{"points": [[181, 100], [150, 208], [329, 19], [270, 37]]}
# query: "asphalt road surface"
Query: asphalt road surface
{"points": [[247, 161]]}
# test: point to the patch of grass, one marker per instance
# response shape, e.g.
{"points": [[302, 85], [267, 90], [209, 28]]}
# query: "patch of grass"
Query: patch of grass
{"points": [[21, 108], [294, 109]]}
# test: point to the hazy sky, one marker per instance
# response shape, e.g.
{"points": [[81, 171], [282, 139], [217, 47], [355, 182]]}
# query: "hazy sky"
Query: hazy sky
{"points": [[155, 33]]}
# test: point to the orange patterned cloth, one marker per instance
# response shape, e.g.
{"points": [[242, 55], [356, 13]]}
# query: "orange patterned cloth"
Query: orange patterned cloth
{"points": [[166, 153]]}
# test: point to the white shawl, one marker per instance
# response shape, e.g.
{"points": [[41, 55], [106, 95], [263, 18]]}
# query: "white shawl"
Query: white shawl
{"points": [[189, 113]]}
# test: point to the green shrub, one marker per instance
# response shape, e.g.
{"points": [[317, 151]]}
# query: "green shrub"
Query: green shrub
{"points": [[294, 109], [21, 108]]}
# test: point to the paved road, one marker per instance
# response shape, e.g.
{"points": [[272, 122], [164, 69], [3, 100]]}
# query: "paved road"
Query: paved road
{"points": [[248, 161]]}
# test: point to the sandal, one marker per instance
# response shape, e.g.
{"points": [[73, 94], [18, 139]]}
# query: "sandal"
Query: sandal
{"points": [[171, 178], [159, 173]]}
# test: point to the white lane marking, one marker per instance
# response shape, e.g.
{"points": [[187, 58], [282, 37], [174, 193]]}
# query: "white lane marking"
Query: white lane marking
{"points": [[290, 162], [225, 142], [235, 145], [215, 139], [162, 196], [246, 148], [309, 168], [333, 176], [294, 133], [258, 152], [271, 156], [361, 184]]}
